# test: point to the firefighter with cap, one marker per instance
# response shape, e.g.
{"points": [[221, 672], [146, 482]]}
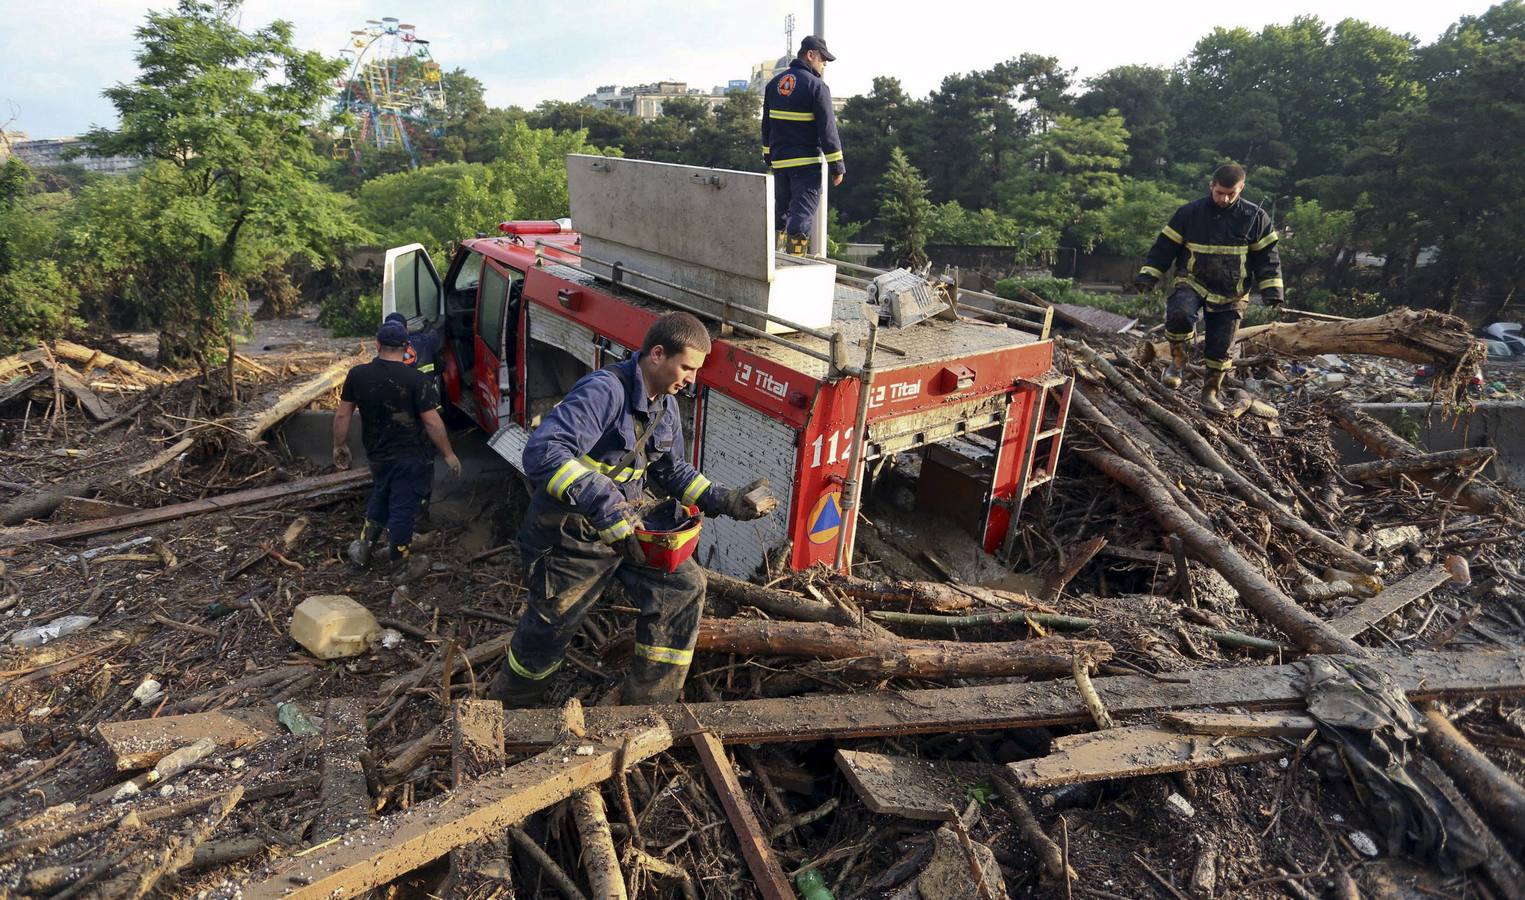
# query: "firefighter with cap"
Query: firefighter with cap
{"points": [[422, 353], [399, 419], [588, 463], [1220, 246], [799, 133]]}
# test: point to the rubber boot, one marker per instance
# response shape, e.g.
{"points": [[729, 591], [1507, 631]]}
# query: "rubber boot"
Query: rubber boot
{"points": [[1177, 368], [361, 549], [1212, 383], [649, 683], [517, 692], [407, 566], [799, 245]]}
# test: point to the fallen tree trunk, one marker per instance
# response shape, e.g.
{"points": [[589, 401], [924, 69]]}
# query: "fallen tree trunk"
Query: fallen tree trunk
{"points": [[1383, 441], [899, 657], [786, 604], [1280, 516], [1499, 796], [931, 595], [94, 359], [1424, 462], [1257, 592], [271, 409]]}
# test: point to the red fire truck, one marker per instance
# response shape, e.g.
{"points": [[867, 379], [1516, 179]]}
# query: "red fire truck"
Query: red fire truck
{"points": [[530, 311]]}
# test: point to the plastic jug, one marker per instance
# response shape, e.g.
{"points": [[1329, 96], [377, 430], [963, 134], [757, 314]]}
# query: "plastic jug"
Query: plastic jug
{"points": [[332, 626]]}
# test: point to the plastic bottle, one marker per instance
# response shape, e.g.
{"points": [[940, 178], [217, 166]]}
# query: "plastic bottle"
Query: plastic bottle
{"points": [[180, 760], [812, 886]]}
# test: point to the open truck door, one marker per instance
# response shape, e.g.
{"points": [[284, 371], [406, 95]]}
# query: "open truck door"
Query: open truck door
{"points": [[410, 285], [492, 351]]}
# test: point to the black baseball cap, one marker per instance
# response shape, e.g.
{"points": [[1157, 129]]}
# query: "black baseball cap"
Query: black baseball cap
{"points": [[814, 43], [392, 334]]}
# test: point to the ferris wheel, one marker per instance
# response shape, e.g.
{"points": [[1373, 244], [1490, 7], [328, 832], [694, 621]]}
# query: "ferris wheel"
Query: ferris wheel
{"points": [[393, 94]]}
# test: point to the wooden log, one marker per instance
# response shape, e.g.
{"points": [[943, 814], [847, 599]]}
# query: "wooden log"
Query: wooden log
{"points": [[139, 743], [912, 788], [271, 409], [81, 509], [1389, 600], [89, 400], [305, 487], [1499, 796], [1384, 442], [9, 392], [1423, 676], [1184, 432], [899, 657], [476, 749], [1288, 725], [161, 459], [1464, 458], [598, 856], [44, 501], [16, 362], [1255, 590], [1500, 866], [346, 801], [783, 603], [1049, 853], [96, 359], [173, 856], [1132, 445], [384, 850], [932, 595], [766, 873], [1136, 750]]}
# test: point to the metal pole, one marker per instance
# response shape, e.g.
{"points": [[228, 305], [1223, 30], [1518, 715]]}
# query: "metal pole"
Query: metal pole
{"points": [[820, 19], [852, 488]]}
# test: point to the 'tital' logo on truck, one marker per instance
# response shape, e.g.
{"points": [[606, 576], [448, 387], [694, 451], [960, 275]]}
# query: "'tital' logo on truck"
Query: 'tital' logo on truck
{"points": [[761, 380], [893, 393]]}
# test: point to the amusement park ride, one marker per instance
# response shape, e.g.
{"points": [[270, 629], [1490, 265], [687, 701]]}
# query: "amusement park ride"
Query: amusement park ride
{"points": [[393, 94]]}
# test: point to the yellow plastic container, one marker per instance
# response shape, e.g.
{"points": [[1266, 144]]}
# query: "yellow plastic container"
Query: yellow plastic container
{"points": [[332, 626]]}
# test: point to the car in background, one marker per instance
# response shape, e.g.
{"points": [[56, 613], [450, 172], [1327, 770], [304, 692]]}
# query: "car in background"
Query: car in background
{"points": [[1508, 334]]}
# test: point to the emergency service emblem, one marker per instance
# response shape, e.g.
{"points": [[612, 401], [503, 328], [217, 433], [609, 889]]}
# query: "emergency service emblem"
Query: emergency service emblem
{"points": [[826, 518], [786, 86]]}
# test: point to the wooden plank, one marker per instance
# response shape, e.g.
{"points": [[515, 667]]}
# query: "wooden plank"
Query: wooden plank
{"points": [[89, 400], [346, 801], [274, 407], [371, 856], [912, 788], [139, 743], [318, 484], [23, 360], [1289, 725], [83, 509], [1138, 750], [479, 868], [1374, 609], [766, 872], [1427, 675], [9, 392]]}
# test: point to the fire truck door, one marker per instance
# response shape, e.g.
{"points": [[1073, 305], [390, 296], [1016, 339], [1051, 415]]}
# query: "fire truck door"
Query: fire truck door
{"points": [[494, 380], [410, 285]]}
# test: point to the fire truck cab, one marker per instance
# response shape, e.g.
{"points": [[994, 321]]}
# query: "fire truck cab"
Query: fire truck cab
{"points": [[802, 384]]}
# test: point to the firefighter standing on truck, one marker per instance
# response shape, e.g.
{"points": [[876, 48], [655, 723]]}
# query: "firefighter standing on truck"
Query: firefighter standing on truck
{"points": [[587, 464], [799, 132], [1220, 246], [399, 418]]}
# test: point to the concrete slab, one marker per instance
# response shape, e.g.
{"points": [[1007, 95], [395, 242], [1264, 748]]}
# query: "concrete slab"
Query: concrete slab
{"points": [[1500, 425]]}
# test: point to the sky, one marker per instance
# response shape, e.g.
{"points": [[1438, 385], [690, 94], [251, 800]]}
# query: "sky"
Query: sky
{"points": [[55, 66]]}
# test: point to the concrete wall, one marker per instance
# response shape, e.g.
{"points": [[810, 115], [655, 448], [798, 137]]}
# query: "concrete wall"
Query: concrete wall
{"points": [[1498, 425]]}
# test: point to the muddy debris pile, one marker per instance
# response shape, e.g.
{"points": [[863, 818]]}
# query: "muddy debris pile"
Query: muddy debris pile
{"points": [[1220, 661]]}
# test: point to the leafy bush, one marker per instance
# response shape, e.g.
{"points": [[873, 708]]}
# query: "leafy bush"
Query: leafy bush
{"points": [[347, 315], [1148, 307]]}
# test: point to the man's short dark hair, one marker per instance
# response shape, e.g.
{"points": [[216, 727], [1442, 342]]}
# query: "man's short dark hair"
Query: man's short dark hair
{"points": [[676, 332], [1228, 175]]}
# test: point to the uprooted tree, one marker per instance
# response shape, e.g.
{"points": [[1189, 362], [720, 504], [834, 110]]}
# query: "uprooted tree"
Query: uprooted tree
{"points": [[229, 191]]}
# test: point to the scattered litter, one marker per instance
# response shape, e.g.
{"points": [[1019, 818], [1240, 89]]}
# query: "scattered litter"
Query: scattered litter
{"points": [[62, 626], [150, 691], [1363, 842]]}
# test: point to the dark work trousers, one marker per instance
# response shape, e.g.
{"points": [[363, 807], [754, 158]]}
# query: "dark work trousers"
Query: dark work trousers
{"points": [[1221, 322], [397, 487], [567, 568], [796, 194]]}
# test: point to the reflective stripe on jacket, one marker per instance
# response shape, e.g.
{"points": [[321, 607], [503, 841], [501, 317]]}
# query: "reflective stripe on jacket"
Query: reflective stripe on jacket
{"points": [[799, 126], [1222, 254], [574, 455]]}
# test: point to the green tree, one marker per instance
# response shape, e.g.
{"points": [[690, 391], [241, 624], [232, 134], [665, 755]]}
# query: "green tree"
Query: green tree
{"points": [[35, 300], [872, 125], [1070, 178], [436, 205], [1129, 226], [903, 213], [1140, 94], [222, 114]]}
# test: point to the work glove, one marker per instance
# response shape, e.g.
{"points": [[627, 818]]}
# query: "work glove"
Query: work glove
{"points": [[629, 546], [1143, 284], [342, 458], [746, 503]]}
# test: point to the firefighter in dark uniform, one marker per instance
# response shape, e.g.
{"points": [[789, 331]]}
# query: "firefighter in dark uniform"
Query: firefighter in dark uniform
{"points": [[799, 132], [422, 353], [399, 419], [587, 464], [1220, 246]]}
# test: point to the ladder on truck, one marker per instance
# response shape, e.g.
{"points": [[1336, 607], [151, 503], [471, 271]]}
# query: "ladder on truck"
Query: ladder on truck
{"points": [[1045, 437]]}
